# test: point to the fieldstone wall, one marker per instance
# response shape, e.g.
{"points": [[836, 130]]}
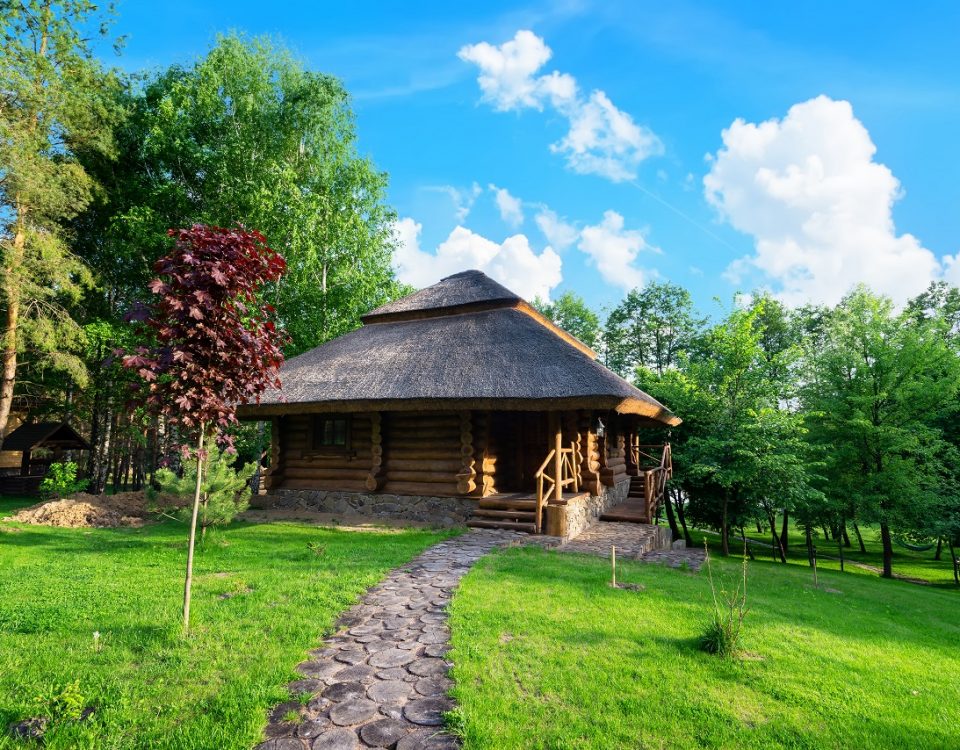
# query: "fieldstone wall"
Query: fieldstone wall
{"points": [[441, 511], [585, 511]]}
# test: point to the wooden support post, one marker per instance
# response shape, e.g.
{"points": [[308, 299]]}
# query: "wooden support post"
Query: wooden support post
{"points": [[466, 478], [558, 459], [613, 566]]}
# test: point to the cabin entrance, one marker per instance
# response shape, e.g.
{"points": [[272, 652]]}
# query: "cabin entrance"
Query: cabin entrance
{"points": [[518, 442]]}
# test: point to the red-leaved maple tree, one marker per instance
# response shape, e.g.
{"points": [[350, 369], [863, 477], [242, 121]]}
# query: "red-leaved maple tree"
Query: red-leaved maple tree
{"points": [[217, 346]]}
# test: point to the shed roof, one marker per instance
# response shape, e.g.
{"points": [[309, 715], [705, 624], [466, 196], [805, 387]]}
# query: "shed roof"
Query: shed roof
{"points": [[466, 342], [37, 434]]}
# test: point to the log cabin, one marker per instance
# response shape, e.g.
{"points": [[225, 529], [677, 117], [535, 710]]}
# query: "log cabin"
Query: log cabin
{"points": [[462, 403]]}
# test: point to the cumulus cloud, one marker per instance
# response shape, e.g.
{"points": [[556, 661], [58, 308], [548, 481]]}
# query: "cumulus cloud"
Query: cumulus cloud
{"points": [[614, 249], [558, 232], [510, 207], [602, 139], [818, 206], [513, 262]]}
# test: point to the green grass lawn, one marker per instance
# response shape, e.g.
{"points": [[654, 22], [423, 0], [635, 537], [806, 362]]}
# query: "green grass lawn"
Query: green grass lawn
{"points": [[906, 562], [547, 655], [12, 504], [262, 596]]}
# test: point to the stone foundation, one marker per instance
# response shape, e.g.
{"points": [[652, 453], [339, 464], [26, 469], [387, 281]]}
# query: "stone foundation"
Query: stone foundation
{"points": [[578, 515], [441, 511]]}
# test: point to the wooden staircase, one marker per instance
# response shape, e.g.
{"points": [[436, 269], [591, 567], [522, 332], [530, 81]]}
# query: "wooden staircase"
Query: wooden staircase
{"points": [[647, 490], [634, 508], [515, 511]]}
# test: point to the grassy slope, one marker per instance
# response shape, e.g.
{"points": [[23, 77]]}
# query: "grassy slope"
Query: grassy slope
{"points": [[920, 565], [150, 688], [548, 656]]}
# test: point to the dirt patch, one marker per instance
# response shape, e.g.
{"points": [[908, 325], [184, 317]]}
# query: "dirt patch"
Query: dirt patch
{"points": [[91, 511]]}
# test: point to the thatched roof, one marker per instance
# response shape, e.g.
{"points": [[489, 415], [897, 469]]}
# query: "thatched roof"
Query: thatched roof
{"points": [[469, 288], [38, 434], [464, 343]]}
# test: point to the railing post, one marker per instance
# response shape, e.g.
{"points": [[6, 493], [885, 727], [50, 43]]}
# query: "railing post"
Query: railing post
{"points": [[558, 463]]}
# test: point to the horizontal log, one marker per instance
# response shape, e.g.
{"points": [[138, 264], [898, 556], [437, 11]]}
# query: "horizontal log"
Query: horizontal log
{"points": [[327, 462], [421, 488], [345, 485], [296, 472], [423, 464], [419, 476], [423, 434], [445, 451], [422, 420]]}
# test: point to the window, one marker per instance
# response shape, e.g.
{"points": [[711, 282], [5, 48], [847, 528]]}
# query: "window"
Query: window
{"points": [[331, 433]]}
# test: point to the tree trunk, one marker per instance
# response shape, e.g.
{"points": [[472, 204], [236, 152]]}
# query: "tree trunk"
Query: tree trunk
{"points": [[856, 530], [939, 552], [671, 519], [826, 532], [11, 330], [845, 534], [956, 562], [759, 527], [808, 537], [725, 525], [188, 581], [746, 545], [887, 550], [777, 543], [785, 533]]}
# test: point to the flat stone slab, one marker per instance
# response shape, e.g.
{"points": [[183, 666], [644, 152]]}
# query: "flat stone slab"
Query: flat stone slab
{"points": [[379, 681]]}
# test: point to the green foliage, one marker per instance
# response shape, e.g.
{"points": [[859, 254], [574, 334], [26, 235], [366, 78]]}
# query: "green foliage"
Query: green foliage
{"points": [[721, 635], [248, 135], [61, 702], [56, 102], [224, 490], [571, 313], [876, 386], [61, 481], [650, 329]]}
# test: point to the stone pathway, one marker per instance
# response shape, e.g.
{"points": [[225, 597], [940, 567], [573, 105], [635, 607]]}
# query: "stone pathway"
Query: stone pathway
{"points": [[381, 680], [633, 542]]}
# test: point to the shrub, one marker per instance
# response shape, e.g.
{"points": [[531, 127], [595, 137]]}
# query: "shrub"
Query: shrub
{"points": [[721, 635], [224, 490], [61, 480]]}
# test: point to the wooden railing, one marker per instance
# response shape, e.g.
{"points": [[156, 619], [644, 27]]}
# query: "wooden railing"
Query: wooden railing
{"points": [[560, 469], [654, 477]]}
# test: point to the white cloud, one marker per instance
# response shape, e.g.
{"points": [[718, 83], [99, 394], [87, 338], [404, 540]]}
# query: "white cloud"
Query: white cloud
{"points": [[463, 198], [614, 250], [818, 206], [559, 233], [513, 262], [601, 140], [510, 207]]}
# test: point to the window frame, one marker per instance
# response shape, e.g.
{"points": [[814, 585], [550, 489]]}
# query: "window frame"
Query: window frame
{"points": [[317, 422]]}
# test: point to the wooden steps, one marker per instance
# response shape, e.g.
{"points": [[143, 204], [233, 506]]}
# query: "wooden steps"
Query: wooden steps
{"points": [[633, 509], [478, 523], [515, 511]]}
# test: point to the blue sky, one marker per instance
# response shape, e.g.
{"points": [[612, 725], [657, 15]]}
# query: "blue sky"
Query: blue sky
{"points": [[604, 124]]}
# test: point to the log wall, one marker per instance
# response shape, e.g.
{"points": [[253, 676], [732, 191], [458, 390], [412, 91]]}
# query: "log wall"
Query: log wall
{"points": [[301, 467], [424, 453]]}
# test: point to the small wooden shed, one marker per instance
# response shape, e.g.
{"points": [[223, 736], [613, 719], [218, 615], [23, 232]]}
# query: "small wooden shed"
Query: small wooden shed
{"points": [[54, 439], [462, 390]]}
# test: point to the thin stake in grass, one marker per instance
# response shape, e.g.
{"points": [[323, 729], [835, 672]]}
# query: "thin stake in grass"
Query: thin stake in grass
{"points": [[613, 566]]}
